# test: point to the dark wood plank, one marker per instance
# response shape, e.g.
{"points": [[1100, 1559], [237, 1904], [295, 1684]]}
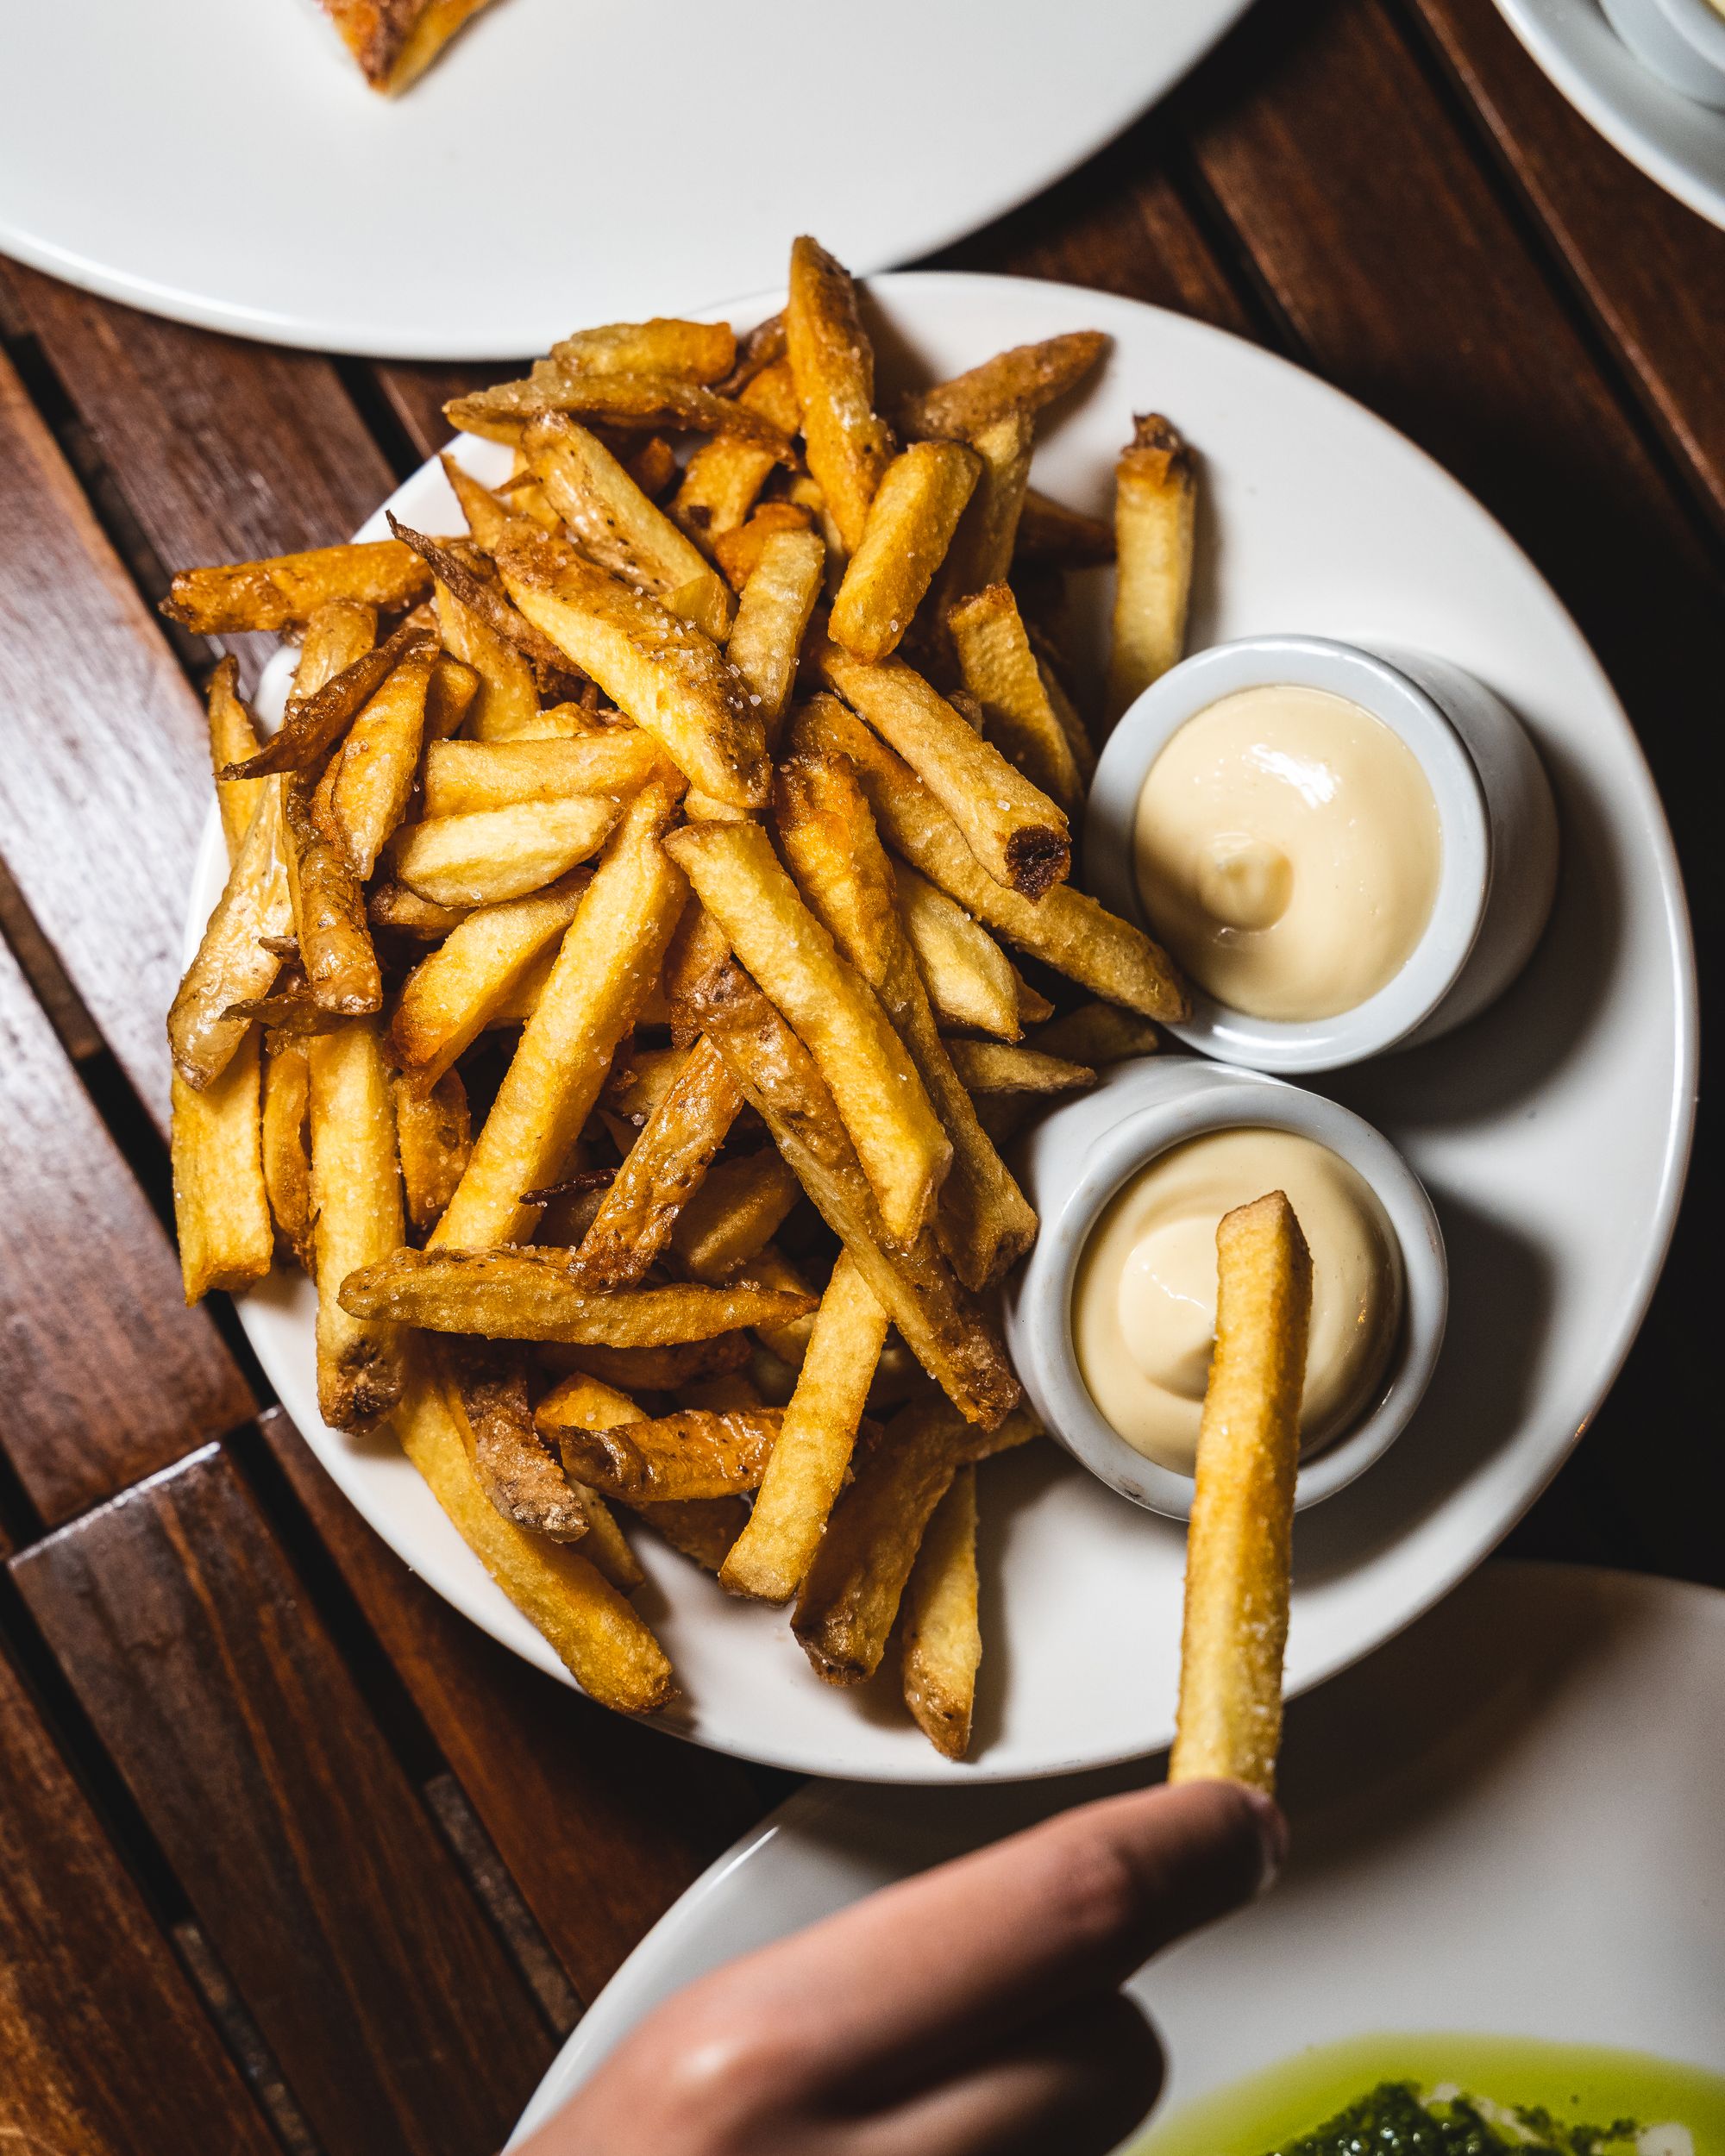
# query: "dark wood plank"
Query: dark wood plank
{"points": [[105, 781], [417, 396], [602, 1823], [349, 1934], [105, 2049], [105, 1375], [1652, 271]]}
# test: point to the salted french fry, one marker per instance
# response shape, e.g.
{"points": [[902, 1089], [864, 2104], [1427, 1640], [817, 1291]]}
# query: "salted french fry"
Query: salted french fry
{"points": [[379, 760], [738, 553], [741, 1205], [533, 1294], [1000, 670], [288, 588], [466, 777], [1017, 835], [434, 1134], [392, 906], [488, 857], [998, 1067], [970, 979], [1097, 1034], [909, 527], [314, 722], [654, 1370], [505, 707], [640, 1077], [981, 549], [763, 348], [851, 1595], [604, 1645], [695, 1454], [694, 351], [336, 947], [221, 1208], [942, 1640], [488, 514], [356, 1220], [898, 1139], [287, 1144], [725, 475], [1023, 379], [616, 526], [448, 700], [469, 576], [452, 996], [661, 1172], [1033, 1005], [773, 612], [1239, 1546], [1065, 710], [832, 363], [771, 1557], [234, 964], [1155, 495], [485, 1389], [610, 956], [338, 634], [1066, 927], [584, 1403], [1051, 533], [233, 738], [504, 412], [659, 670], [288, 1011]]}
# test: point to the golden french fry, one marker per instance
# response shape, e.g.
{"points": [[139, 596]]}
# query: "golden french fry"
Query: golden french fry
{"points": [[772, 613], [503, 413], [391, 904], [942, 1640], [832, 364], [970, 979], [981, 549], [533, 1294], [485, 1388], [583, 1403], [452, 996], [470, 577], [338, 634], [1023, 379], [723, 477], [329, 926], [763, 348], [315, 722], [490, 855], [1065, 711], [639, 1079], [1239, 1546], [701, 1529], [233, 738], [287, 1144], [1156, 491], [488, 515], [356, 1220], [1017, 835], [610, 956], [288, 588], [221, 1208], [997, 1067], [466, 777], [656, 1370], [692, 1455], [657, 669], [505, 705], [234, 964], [851, 1596], [379, 759], [453, 689], [741, 1205], [1066, 927], [1001, 672], [1097, 1034], [694, 351], [909, 527], [434, 1134], [604, 1645], [770, 1557], [738, 553], [286, 1012], [898, 1137], [1049, 532]]}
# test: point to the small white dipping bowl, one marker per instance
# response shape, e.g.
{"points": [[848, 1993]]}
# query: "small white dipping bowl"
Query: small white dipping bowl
{"points": [[1681, 42], [1495, 811], [1075, 1160]]}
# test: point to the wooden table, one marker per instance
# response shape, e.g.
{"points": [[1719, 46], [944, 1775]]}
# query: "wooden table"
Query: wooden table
{"points": [[290, 1854]]}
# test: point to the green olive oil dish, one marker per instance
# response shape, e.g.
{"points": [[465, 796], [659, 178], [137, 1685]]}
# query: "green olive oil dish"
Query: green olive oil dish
{"points": [[1454, 2096]]}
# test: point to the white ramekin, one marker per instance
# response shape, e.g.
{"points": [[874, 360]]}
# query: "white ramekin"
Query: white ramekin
{"points": [[1075, 1160], [1681, 42], [1495, 811]]}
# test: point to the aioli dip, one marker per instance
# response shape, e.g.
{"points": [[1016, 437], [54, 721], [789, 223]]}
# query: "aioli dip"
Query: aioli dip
{"points": [[1143, 1303], [1288, 851]]}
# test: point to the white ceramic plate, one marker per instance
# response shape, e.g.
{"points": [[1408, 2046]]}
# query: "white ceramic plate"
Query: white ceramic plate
{"points": [[1506, 1824], [565, 161], [1552, 1134], [1675, 142]]}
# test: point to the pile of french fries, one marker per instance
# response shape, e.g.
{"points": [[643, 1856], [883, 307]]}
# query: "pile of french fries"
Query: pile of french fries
{"points": [[609, 1005]]}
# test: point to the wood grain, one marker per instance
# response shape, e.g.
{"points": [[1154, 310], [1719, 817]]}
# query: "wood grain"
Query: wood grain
{"points": [[348, 1931], [105, 1375], [104, 2049], [417, 396]]}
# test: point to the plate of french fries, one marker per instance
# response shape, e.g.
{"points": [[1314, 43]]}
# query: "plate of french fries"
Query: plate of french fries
{"points": [[640, 915]]}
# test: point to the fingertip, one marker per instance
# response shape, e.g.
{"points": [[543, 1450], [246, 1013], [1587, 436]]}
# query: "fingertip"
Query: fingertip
{"points": [[1272, 1831]]}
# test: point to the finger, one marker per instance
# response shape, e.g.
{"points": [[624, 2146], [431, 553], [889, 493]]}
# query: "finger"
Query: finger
{"points": [[1078, 2081]]}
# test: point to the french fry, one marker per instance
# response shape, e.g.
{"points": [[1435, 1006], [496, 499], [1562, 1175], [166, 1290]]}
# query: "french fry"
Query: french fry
{"points": [[221, 1208], [503, 413], [692, 351], [379, 760], [451, 997], [1097, 1034], [723, 477], [490, 855], [453, 689], [339, 633], [1049, 532], [771, 1557], [738, 553], [850, 1597], [1239, 1546], [1065, 710], [949, 1335], [505, 705], [741, 1205], [832, 363], [639, 1079], [787, 1342], [1066, 929], [692, 1455], [981, 549], [610, 955], [661, 1172], [942, 1640], [1017, 835], [488, 515], [391, 904], [315, 722], [286, 1146], [1155, 496], [467, 777], [1001, 672], [470, 578], [616, 526], [997, 1067], [970, 979], [772, 613], [287, 589], [233, 738], [533, 1294], [434, 1134], [1023, 379], [288, 1011], [658, 669], [584, 1403], [656, 1370], [336, 947], [763, 348], [356, 1220], [701, 1529], [233, 964], [910, 524], [604, 1645], [485, 1389], [898, 1139]]}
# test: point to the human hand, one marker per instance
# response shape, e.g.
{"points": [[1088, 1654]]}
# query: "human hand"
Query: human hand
{"points": [[974, 2011]]}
